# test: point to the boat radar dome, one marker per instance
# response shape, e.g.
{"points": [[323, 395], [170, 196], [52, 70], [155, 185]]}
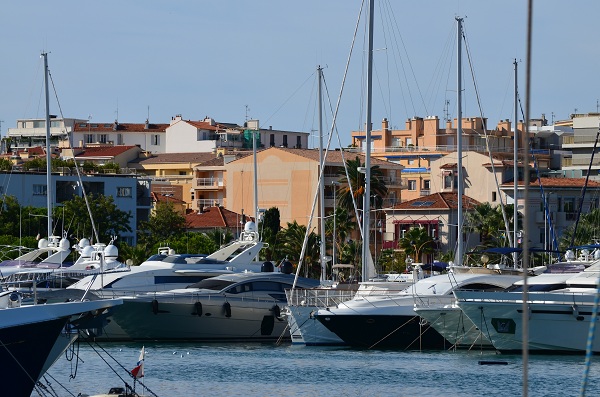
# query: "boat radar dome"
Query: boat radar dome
{"points": [[43, 243], [111, 251], [286, 267], [267, 267], [64, 244], [570, 255], [250, 227], [84, 242]]}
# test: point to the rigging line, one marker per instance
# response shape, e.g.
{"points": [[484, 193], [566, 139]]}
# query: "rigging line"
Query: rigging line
{"points": [[394, 29], [333, 127], [85, 197], [584, 188], [289, 98], [120, 365], [60, 384], [487, 145], [542, 192]]}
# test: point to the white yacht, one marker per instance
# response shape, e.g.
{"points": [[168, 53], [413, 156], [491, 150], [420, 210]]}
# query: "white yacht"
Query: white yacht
{"points": [[167, 270], [302, 305], [559, 320], [389, 321]]}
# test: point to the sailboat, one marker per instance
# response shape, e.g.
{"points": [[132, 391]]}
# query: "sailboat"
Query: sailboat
{"points": [[30, 335]]}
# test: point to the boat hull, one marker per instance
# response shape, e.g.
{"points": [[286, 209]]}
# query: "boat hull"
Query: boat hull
{"points": [[23, 353], [246, 320], [305, 329], [455, 327], [557, 323], [404, 332]]}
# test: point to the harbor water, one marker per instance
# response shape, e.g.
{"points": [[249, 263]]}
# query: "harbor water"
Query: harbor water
{"points": [[288, 370]]}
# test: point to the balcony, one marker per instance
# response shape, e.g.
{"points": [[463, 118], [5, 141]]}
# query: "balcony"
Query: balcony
{"points": [[202, 203], [208, 183]]}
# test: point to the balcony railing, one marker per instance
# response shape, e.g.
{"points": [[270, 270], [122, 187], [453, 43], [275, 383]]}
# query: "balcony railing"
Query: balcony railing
{"points": [[201, 203], [205, 183]]}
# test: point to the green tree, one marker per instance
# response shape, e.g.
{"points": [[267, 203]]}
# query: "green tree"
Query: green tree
{"points": [[488, 222], [5, 165], [164, 224], [587, 231], [417, 242], [357, 182], [220, 236], [268, 228], [108, 218], [344, 226], [291, 240]]}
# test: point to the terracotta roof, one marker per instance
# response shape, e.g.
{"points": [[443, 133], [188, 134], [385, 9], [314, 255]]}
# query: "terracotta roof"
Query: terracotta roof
{"points": [[449, 166], [125, 127], [33, 151], [220, 160], [104, 151], [437, 201], [333, 156], [214, 217], [557, 182], [203, 125], [164, 158], [163, 198]]}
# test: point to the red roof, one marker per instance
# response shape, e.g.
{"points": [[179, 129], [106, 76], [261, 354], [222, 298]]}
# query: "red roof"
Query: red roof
{"points": [[164, 198], [125, 127], [214, 217], [104, 151], [557, 182], [437, 201]]}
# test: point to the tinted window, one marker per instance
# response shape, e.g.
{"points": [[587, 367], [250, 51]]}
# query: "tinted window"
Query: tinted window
{"points": [[216, 285]]}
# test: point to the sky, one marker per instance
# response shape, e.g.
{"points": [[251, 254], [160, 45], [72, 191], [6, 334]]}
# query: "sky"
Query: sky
{"points": [[234, 60]]}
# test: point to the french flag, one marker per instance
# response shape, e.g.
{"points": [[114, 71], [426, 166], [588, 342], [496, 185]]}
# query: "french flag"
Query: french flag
{"points": [[138, 371]]}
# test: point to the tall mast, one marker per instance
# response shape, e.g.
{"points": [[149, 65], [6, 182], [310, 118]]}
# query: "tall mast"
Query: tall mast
{"points": [[367, 197], [48, 156], [515, 171], [321, 184], [459, 247]]}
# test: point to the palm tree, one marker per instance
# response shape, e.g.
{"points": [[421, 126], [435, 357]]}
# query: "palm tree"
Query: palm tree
{"points": [[587, 231], [416, 242], [344, 225], [356, 181], [291, 240], [489, 223]]}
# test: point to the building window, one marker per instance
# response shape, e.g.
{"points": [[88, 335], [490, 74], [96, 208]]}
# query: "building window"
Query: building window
{"points": [[102, 138], [272, 140], [155, 139], [39, 124], [123, 192], [299, 142], [88, 138], [411, 161], [412, 184], [426, 184], [285, 143], [39, 190], [493, 196], [119, 139], [447, 180]]}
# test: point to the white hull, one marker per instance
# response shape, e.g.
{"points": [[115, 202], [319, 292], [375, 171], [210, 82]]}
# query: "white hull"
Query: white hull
{"points": [[558, 322], [305, 329], [455, 327]]}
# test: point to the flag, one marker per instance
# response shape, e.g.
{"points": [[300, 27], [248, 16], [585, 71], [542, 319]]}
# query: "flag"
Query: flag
{"points": [[138, 371]]}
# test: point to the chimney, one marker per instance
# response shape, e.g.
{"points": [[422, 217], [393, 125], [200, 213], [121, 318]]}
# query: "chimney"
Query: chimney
{"points": [[147, 125], [115, 125]]}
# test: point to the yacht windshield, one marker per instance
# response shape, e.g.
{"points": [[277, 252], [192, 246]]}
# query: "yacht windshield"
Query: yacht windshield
{"points": [[216, 285]]}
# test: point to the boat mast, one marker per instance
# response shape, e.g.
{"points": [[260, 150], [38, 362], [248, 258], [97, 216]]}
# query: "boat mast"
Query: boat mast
{"points": [[48, 156], [459, 247], [367, 196], [321, 184], [515, 172]]}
